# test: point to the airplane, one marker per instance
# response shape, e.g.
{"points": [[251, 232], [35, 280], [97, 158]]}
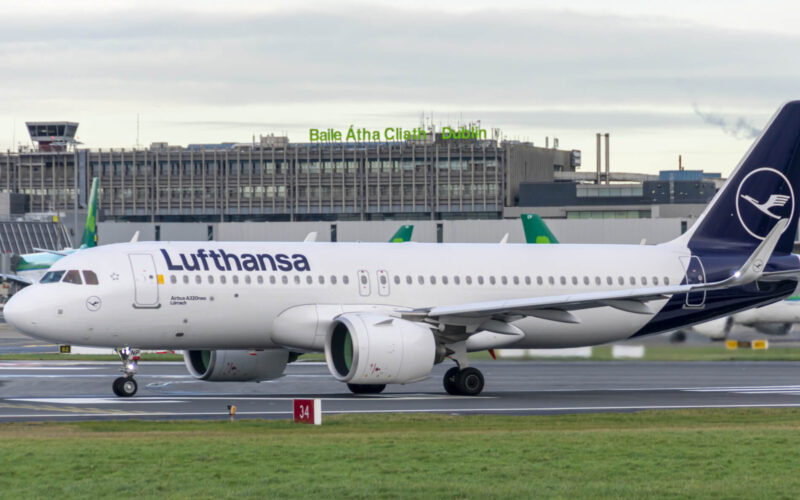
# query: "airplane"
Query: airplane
{"points": [[32, 266], [402, 235], [773, 319], [386, 314], [536, 231]]}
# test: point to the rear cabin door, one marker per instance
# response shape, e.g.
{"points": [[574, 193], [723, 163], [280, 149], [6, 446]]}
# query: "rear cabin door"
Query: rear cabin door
{"points": [[695, 274], [145, 280]]}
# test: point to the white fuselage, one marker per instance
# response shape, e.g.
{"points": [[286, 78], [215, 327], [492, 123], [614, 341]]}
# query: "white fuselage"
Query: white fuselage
{"points": [[187, 310]]}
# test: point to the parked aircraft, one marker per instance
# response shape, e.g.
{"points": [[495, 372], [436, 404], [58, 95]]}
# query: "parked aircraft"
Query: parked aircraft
{"points": [[536, 231], [32, 266], [386, 313], [774, 319]]}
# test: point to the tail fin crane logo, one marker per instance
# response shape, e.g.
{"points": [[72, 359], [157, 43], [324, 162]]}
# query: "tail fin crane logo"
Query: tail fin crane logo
{"points": [[776, 200], [766, 184]]}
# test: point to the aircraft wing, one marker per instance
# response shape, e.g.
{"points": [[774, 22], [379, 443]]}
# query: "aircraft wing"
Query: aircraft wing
{"points": [[17, 278], [55, 252], [558, 307]]}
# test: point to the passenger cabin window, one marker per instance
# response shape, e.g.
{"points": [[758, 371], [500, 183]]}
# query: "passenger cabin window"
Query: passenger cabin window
{"points": [[52, 277], [345, 279], [173, 279], [90, 278], [73, 277]]}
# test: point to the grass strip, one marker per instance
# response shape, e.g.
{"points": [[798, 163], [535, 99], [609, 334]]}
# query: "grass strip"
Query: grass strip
{"points": [[657, 454]]}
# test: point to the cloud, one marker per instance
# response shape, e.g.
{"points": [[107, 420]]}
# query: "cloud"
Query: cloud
{"points": [[738, 127], [376, 54]]}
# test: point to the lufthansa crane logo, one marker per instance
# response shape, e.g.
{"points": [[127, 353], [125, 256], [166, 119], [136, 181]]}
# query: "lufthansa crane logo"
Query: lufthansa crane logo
{"points": [[763, 192], [93, 303]]}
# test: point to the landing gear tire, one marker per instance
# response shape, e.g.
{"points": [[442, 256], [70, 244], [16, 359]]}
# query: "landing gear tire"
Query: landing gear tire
{"points": [[125, 387], [466, 382], [450, 381], [366, 388], [469, 382]]}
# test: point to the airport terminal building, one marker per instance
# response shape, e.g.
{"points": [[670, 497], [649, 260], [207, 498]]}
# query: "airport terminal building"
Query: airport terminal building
{"points": [[342, 190], [276, 180]]}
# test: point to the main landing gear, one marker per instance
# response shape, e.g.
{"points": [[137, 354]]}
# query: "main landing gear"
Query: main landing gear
{"points": [[462, 380], [125, 386], [466, 382]]}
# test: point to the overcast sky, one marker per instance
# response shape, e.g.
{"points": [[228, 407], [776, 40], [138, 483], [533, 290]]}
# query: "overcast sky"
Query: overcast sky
{"points": [[697, 78]]}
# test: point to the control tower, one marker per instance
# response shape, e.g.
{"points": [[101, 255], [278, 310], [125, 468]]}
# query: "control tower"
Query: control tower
{"points": [[53, 136]]}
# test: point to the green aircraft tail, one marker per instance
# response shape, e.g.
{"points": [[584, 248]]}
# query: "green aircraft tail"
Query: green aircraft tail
{"points": [[89, 238], [402, 235], [536, 231]]}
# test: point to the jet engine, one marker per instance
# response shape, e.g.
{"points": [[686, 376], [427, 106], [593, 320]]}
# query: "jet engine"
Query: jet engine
{"points": [[773, 328], [236, 366], [716, 329], [368, 348]]}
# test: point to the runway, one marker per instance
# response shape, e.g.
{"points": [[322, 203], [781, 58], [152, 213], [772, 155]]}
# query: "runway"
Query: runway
{"points": [[65, 391]]}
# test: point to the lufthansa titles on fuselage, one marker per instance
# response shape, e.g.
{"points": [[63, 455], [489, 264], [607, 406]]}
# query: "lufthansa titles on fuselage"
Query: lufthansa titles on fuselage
{"points": [[203, 260]]}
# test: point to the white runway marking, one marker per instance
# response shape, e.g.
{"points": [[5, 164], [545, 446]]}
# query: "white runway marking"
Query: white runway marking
{"points": [[224, 414], [89, 401], [242, 398], [48, 368], [791, 390]]}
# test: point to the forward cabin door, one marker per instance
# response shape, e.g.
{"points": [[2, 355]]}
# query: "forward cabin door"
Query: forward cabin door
{"points": [[145, 280], [363, 283], [383, 283]]}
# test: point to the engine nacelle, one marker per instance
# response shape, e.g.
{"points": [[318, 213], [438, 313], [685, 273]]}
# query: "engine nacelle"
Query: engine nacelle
{"points": [[236, 366], [366, 348], [773, 328], [716, 329]]}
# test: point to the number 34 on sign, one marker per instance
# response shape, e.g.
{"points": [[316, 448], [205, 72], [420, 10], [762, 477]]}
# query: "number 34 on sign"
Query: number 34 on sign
{"points": [[308, 411]]}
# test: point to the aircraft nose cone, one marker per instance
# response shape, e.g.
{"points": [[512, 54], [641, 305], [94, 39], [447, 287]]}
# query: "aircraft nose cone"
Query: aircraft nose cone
{"points": [[17, 311]]}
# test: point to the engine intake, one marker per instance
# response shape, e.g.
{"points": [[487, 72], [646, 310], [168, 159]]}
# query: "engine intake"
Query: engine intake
{"points": [[236, 366], [365, 348]]}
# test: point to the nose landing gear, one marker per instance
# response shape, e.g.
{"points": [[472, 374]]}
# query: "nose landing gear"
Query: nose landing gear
{"points": [[125, 386]]}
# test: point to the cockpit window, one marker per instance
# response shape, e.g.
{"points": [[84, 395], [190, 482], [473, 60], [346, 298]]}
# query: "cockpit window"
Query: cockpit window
{"points": [[73, 277], [52, 277], [90, 277]]}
